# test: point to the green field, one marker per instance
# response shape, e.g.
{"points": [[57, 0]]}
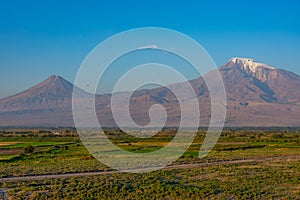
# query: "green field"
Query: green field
{"points": [[245, 164]]}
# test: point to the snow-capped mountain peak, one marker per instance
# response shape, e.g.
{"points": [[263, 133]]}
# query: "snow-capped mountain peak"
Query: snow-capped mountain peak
{"points": [[249, 64]]}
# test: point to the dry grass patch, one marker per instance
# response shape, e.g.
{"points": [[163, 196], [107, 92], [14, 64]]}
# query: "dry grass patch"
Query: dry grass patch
{"points": [[8, 143]]}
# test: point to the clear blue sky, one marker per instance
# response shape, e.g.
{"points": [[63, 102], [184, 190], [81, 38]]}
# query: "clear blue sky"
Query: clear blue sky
{"points": [[41, 38]]}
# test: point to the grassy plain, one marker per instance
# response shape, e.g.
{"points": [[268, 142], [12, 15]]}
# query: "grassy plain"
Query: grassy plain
{"points": [[270, 167]]}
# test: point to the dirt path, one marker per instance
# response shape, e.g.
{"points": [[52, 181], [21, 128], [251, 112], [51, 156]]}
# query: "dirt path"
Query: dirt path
{"points": [[182, 166]]}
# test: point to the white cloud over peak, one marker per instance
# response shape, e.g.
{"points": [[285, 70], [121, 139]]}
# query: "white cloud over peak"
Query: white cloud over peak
{"points": [[151, 46]]}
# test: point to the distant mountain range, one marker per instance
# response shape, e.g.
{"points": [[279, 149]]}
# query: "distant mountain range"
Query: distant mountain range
{"points": [[257, 95]]}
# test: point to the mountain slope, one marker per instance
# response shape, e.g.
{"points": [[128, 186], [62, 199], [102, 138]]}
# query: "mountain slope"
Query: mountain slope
{"points": [[49, 103], [51, 92], [260, 95], [254, 78], [257, 95]]}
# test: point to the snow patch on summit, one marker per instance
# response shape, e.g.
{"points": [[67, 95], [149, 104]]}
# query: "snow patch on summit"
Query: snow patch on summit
{"points": [[250, 64]]}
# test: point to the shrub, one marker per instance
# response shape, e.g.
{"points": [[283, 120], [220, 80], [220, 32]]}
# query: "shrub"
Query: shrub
{"points": [[29, 149]]}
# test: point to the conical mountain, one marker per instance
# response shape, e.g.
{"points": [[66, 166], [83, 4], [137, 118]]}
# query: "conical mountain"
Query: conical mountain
{"points": [[50, 92], [48, 103]]}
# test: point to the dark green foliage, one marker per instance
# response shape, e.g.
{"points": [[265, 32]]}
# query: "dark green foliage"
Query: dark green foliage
{"points": [[28, 149]]}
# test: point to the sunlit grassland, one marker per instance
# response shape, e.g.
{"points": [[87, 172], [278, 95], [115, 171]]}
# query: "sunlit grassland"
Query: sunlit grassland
{"points": [[273, 169]]}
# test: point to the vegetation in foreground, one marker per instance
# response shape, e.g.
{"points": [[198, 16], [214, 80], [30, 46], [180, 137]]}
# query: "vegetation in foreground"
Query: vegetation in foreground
{"points": [[272, 172]]}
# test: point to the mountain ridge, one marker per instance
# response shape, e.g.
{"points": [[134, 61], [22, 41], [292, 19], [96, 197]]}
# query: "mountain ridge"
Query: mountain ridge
{"points": [[257, 95]]}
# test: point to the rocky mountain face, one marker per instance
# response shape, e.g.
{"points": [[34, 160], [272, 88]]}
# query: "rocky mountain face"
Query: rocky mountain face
{"points": [[257, 95], [276, 85], [260, 95]]}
